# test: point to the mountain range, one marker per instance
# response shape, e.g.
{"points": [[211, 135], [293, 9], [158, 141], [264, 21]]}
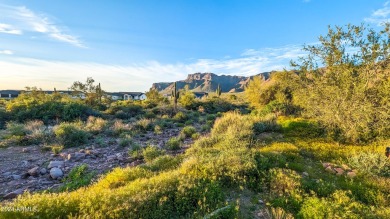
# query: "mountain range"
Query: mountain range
{"points": [[208, 82]]}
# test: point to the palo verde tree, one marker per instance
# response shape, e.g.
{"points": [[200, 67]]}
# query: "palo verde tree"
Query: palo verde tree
{"points": [[345, 82], [93, 93], [276, 92]]}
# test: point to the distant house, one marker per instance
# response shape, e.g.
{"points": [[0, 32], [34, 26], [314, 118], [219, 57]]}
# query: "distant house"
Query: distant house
{"points": [[134, 96], [200, 95], [9, 94], [127, 96]]}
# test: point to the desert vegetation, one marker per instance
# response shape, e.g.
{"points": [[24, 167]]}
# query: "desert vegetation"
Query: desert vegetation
{"points": [[305, 143]]}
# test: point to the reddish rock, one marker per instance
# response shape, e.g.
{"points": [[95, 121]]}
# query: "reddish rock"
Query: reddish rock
{"points": [[329, 169], [351, 174], [339, 171]]}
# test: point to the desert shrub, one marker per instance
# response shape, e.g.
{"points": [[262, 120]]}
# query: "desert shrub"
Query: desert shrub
{"points": [[125, 109], [180, 117], [4, 117], [150, 153], [302, 128], [187, 100], [188, 131], [339, 205], [173, 143], [195, 136], [78, 177], [73, 111], [119, 127], [126, 141], [95, 124], [158, 129], [266, 125], [284, 182], [56, 148], [135, 151], [70, 134], [370, 164], [16, 129], [163, 162], [144, 125], [121, 176]]}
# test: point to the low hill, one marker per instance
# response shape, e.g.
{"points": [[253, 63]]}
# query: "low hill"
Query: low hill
{"points": [[208, 82]]}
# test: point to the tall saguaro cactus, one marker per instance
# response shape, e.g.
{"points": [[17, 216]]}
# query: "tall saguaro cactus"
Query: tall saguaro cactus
{"points": [[175, 95], [218, 91]]}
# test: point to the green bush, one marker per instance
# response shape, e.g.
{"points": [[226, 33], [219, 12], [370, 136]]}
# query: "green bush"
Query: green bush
{"points": [[150, 153], [78, 177], [188, 131], [370, 164], [173, 143], [70, 134], [180, 117], [163, 162]]}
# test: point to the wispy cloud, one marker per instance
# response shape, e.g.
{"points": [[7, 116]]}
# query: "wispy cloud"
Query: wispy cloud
{"points": [[6, 52], [6, 28], [19, 72], [380, 16], [21, 19]]}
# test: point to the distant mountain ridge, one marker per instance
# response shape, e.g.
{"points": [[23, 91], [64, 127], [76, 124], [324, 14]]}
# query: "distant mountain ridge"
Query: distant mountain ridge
{"points": [[208, 82]]}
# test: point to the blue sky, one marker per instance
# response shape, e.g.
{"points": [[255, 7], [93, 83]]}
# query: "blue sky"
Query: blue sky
{"points": [[128, 45]]}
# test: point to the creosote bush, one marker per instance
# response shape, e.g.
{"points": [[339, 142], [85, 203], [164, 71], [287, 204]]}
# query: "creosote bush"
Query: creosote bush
{"points": [[71, 134]]}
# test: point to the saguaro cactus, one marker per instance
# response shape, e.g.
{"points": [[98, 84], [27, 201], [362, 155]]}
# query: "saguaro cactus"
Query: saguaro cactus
{"points": [[218, 91], [175, 95]]}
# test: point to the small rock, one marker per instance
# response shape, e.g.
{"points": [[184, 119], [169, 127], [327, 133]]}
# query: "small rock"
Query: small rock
{"points": [[261, 201], [345, 167], [15, 183], [351, 174], [64, 155], [339, 171], [56, 163], [30, 178], [13, 194], [43, 171], [135, 163], [56, 173], [111, 158], [16, 177], [25, 150], [325, 165], [329, 169], [24, 163], [305, 174], [78, 156], [6, 173], [33, 171]]}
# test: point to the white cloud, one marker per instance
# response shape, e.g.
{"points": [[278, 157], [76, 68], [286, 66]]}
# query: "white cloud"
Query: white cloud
{"points": [[16, 73], [6, 28], [379, 16], [23, 19], [6, 52]]}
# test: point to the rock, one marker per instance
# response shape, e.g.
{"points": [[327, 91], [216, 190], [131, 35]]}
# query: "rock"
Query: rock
{"points": [[56, 173], [43, 171], [111, 158], [351, 174], [7, 174], [305, 174], [261, 201], [25, 150], [329, 169], [13, 194], [325, 165], [339, 171], [56, 163], [30, 178], [24, 163], [345, 167], [64, 155], [135, 163], [15, 183], [33, 171], [16, 177], [79, 156], [25, 175]]}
